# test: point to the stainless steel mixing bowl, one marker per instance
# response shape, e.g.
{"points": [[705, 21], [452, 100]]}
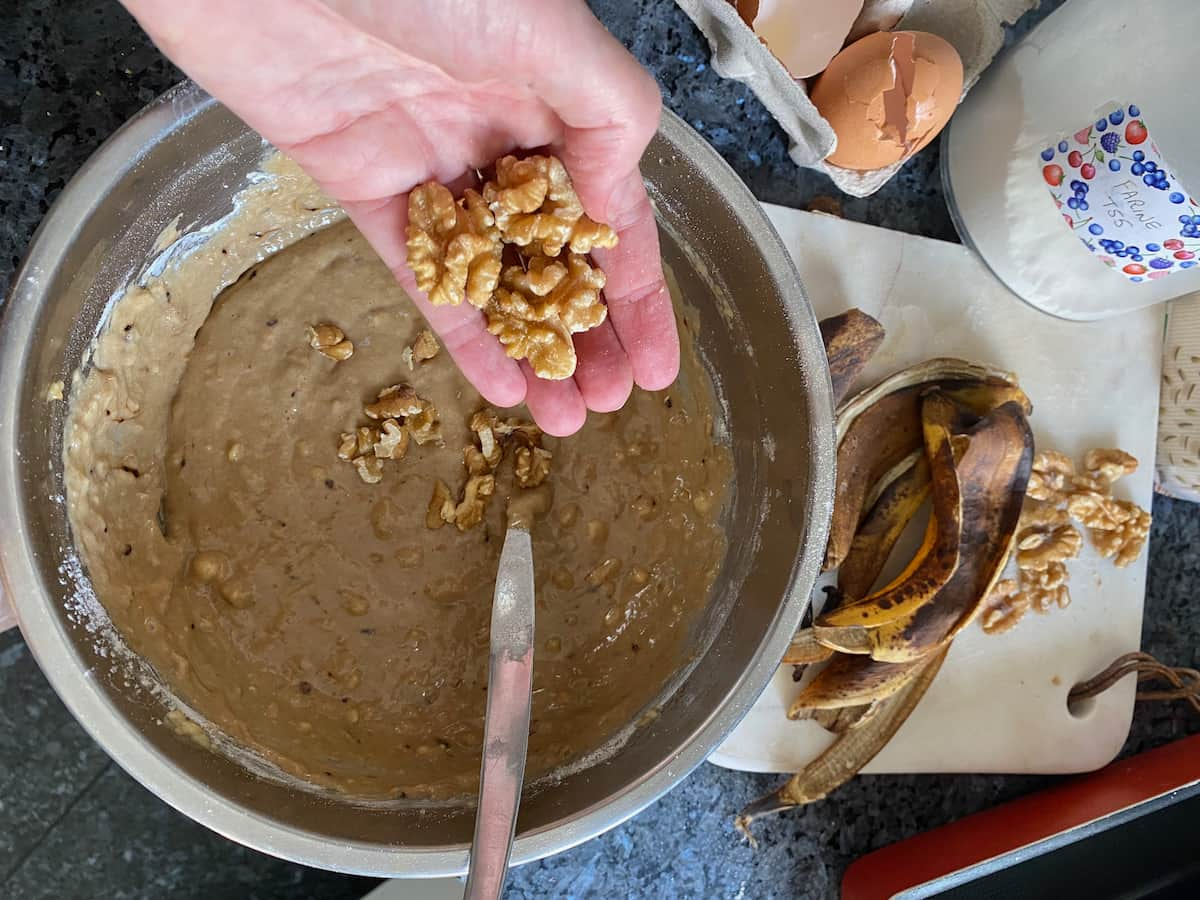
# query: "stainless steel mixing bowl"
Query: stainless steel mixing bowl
{"points": [[185, 155]]}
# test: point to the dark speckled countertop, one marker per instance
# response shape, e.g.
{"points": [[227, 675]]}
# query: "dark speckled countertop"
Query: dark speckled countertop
{"points": [[72, 824]]}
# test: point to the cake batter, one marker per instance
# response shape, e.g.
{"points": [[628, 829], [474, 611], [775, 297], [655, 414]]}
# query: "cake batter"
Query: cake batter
{"points": [[314, 618]]}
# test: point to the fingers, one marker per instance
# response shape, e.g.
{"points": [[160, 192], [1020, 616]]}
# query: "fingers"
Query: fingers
{"points": [[639, 304], [609, 119], [461, 328], [604, 375], [556, 406]]}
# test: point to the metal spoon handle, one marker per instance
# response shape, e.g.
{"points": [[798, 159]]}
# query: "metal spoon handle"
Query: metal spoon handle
{"points": [[506, 726]]}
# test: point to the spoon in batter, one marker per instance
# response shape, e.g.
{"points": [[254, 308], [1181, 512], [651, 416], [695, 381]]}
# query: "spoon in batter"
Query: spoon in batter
{"points": [[506, 724]]}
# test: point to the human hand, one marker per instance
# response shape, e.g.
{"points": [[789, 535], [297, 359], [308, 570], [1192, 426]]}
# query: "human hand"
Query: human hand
{"points": [[372, 98]]}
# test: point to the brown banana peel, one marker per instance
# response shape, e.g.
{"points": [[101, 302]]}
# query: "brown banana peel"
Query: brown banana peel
{"points": [[993, 475], [850, 339], [880, 427], [838, 721], [889, 515], [805, 649], [851, 681], [992, 464], [856, 746], [853, 627], [945, 428]]}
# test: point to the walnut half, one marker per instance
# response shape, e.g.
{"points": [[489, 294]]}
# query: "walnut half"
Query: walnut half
{"points": [[535, 204], [453, 248]]}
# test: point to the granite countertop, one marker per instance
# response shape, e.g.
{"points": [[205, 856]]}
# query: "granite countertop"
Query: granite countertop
{"points": [[73, 824]]}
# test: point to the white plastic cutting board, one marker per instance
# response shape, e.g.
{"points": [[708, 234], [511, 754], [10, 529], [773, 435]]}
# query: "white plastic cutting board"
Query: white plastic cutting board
{"points": [[999, 703]]}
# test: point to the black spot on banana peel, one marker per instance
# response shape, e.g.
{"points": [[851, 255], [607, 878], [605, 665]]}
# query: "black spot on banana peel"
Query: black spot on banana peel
{"points": [[850, 339], [853, 627], [856, 746], [880, 427]]}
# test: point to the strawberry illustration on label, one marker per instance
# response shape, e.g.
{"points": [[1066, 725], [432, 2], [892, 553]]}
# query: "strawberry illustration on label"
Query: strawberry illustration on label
{"points": [[1135, 132]]}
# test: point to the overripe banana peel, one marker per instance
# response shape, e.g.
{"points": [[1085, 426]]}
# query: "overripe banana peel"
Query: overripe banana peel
{"points": [[992, 474], [805, 649], [856, 746], [850, 681], [860, 626], [879, 428], [890, 512], [850, 339], [838, 721], [947, 429]]}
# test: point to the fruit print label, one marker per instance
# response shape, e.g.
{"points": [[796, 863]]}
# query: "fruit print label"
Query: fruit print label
{"points": [[1121, 198]]}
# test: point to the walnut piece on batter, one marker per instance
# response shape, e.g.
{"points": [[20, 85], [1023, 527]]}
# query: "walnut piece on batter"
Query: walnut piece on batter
{"points": [[370, 469], [330, 341], [393, 440], [359, 442], [396, 402], [485, 424], [453, 248], [532, 466], [424, 426], [425, 346], [476, 493], [441, 506], [535, 204]]}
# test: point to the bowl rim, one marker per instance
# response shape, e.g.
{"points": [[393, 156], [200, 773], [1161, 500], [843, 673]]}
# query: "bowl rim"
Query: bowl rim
{"points": [[52, 645]]}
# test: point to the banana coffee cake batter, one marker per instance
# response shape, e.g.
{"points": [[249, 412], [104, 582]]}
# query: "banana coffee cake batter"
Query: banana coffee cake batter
{"points": [[316, 618]]}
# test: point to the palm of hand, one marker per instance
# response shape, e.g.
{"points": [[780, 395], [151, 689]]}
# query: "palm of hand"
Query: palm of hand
{"points": [[370, 120]]}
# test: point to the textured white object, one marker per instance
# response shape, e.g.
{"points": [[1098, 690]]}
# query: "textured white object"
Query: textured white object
{"points": [[999, 703], [974, 27], [1179, 410]]}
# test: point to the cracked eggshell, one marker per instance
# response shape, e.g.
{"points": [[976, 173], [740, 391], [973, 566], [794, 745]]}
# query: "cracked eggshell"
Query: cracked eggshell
{"points": [[887, 95], [878, 15], [803, 34]]}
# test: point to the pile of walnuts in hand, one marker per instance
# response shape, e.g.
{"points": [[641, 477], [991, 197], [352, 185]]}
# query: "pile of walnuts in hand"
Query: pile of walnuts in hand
{"points": [[519, 252]]}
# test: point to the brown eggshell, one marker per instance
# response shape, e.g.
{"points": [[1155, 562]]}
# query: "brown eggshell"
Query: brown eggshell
{"points": [[887, 95]]}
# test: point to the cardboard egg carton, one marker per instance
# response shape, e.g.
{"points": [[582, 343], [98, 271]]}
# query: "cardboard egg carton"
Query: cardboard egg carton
{"points": [[975, 28]]}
